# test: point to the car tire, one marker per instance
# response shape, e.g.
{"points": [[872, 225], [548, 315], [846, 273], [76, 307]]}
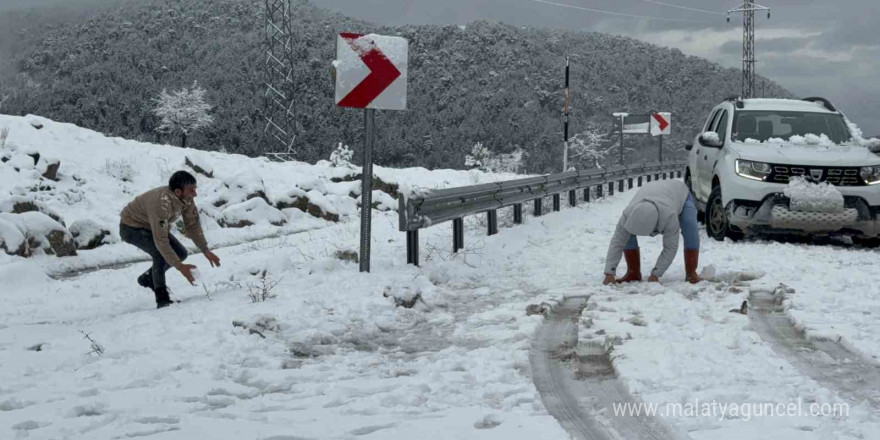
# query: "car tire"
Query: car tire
{"points": [[717, 225], [870, 243]]}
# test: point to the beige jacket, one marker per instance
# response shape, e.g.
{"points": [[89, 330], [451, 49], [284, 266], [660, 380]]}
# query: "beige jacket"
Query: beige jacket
{"points": [[157, 210]]}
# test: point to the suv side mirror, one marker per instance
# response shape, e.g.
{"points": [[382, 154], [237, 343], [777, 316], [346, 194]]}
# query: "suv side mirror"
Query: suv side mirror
{"points": [[710, 139]]}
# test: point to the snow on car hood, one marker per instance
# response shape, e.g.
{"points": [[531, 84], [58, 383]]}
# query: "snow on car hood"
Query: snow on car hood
{"points": [[787, 153]]}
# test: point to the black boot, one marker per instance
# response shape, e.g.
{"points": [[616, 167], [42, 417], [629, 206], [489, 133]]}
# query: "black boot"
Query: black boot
{"points": [[146, 279], [162, 298]]}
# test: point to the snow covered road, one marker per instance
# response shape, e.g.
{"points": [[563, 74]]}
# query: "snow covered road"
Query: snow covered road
{"points": [[341, 360]]}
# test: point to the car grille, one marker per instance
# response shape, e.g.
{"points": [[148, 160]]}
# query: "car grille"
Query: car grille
{"points": [[837, 176]]}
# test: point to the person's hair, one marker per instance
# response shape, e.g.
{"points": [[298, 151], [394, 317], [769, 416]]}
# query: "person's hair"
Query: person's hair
{"points": [[181, 179]]}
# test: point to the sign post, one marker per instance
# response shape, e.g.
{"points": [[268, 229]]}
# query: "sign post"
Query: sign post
{"points": [[370, 74], [622, 117], [565, 134], [661, 124]]}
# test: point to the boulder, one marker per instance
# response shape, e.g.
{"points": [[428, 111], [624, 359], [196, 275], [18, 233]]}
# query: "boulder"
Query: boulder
{"points": [[252, 212], [199, 166], [42, 232], [12, 240], [88, 234], [22, 204]]}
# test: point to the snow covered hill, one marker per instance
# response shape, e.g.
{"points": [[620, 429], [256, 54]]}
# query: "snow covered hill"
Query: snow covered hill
{"points": [[240, 198], [287, 340]]}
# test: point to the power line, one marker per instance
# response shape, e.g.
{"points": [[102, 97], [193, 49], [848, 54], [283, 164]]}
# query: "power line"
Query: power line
{"points": [[618, 14], [686, 8]]}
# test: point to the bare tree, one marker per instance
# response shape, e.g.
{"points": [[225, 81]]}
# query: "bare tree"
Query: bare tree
{"points": [[184, 111], [588, 149]]}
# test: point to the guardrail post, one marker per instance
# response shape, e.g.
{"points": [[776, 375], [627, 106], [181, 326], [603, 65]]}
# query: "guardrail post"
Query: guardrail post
{"points": [[629, 183], [610, 188], [599, 191], [587, 194], [517, 214], [492, 217], [572, 198], [679, 174], [556, 203], [640, 181], [649, 178], [620, 185], [657, 176], [539, 208], [412, 247], [457, 235]]}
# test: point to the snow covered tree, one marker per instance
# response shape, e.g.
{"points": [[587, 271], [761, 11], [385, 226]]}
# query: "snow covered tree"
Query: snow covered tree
{"points": [[587, 149], [184, 111], [479, 157], [341, 156]]}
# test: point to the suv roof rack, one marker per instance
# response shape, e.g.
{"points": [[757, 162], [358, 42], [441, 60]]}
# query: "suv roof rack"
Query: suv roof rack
{"points": [[826, 103], [737, 100]]}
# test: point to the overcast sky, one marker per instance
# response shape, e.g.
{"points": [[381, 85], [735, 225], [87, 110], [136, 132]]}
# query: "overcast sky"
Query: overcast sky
{"points": [[813, 48]]}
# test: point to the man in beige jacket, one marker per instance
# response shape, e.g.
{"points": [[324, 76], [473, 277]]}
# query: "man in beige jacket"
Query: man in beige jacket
{"points": [[146, 223]]}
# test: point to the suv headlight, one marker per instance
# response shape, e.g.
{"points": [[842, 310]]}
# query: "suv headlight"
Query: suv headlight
{"points": [[871, 175], [752, 170]]}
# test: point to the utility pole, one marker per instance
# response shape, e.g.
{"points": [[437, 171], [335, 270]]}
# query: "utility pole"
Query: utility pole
{"points": [[565, 134], [748, 67], [278, 78], [622, 117]]}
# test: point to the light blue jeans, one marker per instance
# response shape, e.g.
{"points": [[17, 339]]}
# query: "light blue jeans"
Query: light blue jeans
{"points": [[690, 229]]}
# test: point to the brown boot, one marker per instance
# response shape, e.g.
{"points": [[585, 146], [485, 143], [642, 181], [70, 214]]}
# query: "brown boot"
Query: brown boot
{"points": [[691, 260], [633, 266]]}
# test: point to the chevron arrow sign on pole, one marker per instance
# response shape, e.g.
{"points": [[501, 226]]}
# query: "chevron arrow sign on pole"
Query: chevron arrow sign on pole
{"points": [[661, 123], [371, 71]]}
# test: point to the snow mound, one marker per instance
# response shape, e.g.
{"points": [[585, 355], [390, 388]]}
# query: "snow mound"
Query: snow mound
{"points": [[813, 197], [12, 240], [252, 212], [42, 233]]}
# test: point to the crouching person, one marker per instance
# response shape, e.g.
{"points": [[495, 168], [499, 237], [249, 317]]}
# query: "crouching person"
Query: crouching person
{"points": [[664, 207], [146, 223]]}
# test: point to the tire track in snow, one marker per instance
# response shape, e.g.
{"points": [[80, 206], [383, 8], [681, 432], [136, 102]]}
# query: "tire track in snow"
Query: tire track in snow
{"points": [[824, 360], [578, 383]]}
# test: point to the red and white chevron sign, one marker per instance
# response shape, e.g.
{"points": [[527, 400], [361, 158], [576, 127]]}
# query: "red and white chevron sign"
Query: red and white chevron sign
{"points": [[661, 124], [371, 71]]}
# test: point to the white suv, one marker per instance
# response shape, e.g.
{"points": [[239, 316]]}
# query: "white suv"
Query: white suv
{"points": [[740, 165]]}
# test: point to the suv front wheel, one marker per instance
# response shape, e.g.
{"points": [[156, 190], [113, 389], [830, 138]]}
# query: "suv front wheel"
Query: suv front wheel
{"points": [[717, 225]]}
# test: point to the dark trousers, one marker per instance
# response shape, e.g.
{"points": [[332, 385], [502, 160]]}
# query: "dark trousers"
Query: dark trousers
{"points": [[143, 240]]}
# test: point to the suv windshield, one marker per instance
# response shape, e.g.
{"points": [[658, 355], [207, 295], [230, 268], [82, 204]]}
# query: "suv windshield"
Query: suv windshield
{"points": [[763, 125]]}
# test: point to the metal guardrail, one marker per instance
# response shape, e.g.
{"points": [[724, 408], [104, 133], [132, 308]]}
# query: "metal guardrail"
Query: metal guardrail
{"points": [[423, 210]]}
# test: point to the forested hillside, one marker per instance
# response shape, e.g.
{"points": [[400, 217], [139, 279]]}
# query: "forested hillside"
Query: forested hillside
{"points": [[486, 82]]}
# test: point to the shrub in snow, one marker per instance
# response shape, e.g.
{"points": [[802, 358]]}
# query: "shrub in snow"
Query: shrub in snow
{"points": [[185, 111], [21, 204], [506, 163], [4, 134], [200, 166], [252, 212], [341, 156], [479, 157], [42, 232], [12, 240], [88, 234], [815, 197], [119, 169]]}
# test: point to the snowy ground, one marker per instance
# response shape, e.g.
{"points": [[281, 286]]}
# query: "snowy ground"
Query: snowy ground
{"points": [[331, 356]]}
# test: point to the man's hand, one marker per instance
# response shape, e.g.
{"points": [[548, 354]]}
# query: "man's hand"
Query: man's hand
{"points": [[693, 278], [609, 279], [213, 259], [653, 278], [186, 270]]}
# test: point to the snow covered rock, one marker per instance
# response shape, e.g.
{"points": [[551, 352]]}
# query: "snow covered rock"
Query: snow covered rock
{"points": [[199, 165], [312, 202], [390, 188], [813, 197], [245, 185], [12, 241], [48, 167], [88, 234], [381, 201], [42, 232], [21, 204], [252, 212]]}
